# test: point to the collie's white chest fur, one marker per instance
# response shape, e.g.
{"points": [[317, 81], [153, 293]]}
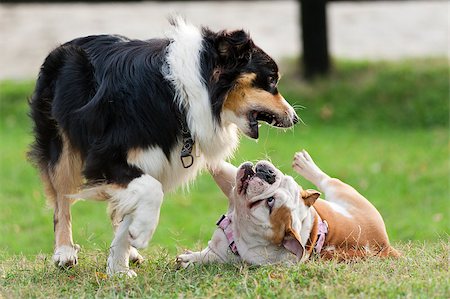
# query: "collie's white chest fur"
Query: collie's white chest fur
{"points": [[170, 171]]}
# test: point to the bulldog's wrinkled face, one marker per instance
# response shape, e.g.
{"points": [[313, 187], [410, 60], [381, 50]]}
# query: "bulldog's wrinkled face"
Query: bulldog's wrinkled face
{"points": [[273, 205]]}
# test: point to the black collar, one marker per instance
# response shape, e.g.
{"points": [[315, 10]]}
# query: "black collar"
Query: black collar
{"points": [[187, 159]]}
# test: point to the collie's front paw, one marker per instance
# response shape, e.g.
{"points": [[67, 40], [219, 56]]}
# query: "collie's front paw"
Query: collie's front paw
{"points": [[119, 268], [135, 257], [125, 273], [66, 256]]}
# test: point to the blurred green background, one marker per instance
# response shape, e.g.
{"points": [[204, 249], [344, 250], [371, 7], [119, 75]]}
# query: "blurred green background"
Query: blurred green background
{"points": [[379, 126]]}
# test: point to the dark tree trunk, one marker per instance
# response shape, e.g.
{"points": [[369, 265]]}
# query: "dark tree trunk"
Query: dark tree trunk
{"points": [[316, 60]]}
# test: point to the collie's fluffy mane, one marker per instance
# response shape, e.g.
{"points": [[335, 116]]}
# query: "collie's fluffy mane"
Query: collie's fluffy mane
{"points": [[182, 69]]}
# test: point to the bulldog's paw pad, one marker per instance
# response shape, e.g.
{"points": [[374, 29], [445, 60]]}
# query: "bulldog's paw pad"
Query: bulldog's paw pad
{"points": [[66, 256]]}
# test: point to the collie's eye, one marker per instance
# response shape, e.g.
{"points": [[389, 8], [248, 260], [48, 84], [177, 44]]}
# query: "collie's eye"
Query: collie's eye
{"points": [[271, 202], [272, 80]]}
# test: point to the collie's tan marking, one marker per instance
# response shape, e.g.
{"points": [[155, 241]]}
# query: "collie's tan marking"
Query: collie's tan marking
{"points": [[64, 179], [245, 97], [134, 154]]}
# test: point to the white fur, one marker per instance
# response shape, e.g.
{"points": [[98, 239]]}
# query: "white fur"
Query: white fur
{"points": [[119, 251], [140, 205], [339, 208], [182, 69], [304, 165], [151, 161], [65, 255], [170, 174], [252, 228], [213, 142], [142, 200]]}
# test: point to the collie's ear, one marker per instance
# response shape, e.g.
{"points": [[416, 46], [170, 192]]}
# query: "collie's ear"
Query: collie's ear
{"points": [[235, 44], [309, 196]]}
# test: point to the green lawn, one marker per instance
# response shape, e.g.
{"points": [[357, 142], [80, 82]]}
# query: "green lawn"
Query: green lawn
{"points": [[421, 273], [381, 127]]}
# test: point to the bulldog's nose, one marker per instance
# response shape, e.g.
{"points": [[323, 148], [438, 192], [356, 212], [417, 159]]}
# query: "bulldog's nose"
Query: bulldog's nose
{"points": [[266, 173]]}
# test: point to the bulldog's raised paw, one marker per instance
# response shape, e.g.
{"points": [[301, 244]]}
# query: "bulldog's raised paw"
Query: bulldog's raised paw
{"points": [[305, 166], [66, 256]]}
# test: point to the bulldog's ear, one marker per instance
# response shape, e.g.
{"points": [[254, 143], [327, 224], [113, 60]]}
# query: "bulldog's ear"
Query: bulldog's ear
{"points": [[309, 196], [292, 243], [235, 44]]}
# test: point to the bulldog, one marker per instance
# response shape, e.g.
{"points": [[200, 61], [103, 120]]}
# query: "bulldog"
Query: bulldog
{"points": [[271, 219]]}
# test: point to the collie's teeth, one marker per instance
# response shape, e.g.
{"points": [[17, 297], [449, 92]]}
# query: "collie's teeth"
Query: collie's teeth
{"points": [[259, 125], [273, 122]]}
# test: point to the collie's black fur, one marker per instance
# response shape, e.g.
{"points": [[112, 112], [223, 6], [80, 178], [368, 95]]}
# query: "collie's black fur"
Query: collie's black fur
{"points": [[108, 95], [105, 106]]}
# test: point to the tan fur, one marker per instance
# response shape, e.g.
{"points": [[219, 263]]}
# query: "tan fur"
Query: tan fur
{"points": [[134, 154], [309, 196], [245, 97], [362, 235], [355, 228], [48, 187], [64, 179], [281, 222]]}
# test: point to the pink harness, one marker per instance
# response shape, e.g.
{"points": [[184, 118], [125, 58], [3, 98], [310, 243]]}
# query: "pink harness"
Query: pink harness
{"points": [[225, 224], [321, 233]]}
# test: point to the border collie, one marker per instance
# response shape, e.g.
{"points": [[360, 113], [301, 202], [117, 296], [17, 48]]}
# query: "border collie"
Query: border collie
{"points": [[128, 120]]}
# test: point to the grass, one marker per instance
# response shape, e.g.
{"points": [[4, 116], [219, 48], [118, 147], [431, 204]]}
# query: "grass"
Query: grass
{"points": [[421, 273], [381, 127]]}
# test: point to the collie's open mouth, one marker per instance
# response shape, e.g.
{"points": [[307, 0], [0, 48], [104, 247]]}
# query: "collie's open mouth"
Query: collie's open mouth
{"points": [[270, 118]]}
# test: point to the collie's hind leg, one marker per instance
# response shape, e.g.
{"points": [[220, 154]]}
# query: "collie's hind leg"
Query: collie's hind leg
{"points": [[65, 252], [140, 204], [305, 166], [62, 180]]}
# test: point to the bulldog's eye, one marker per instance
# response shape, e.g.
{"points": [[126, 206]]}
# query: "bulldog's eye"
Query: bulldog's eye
{"points": [[270, 203]]}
